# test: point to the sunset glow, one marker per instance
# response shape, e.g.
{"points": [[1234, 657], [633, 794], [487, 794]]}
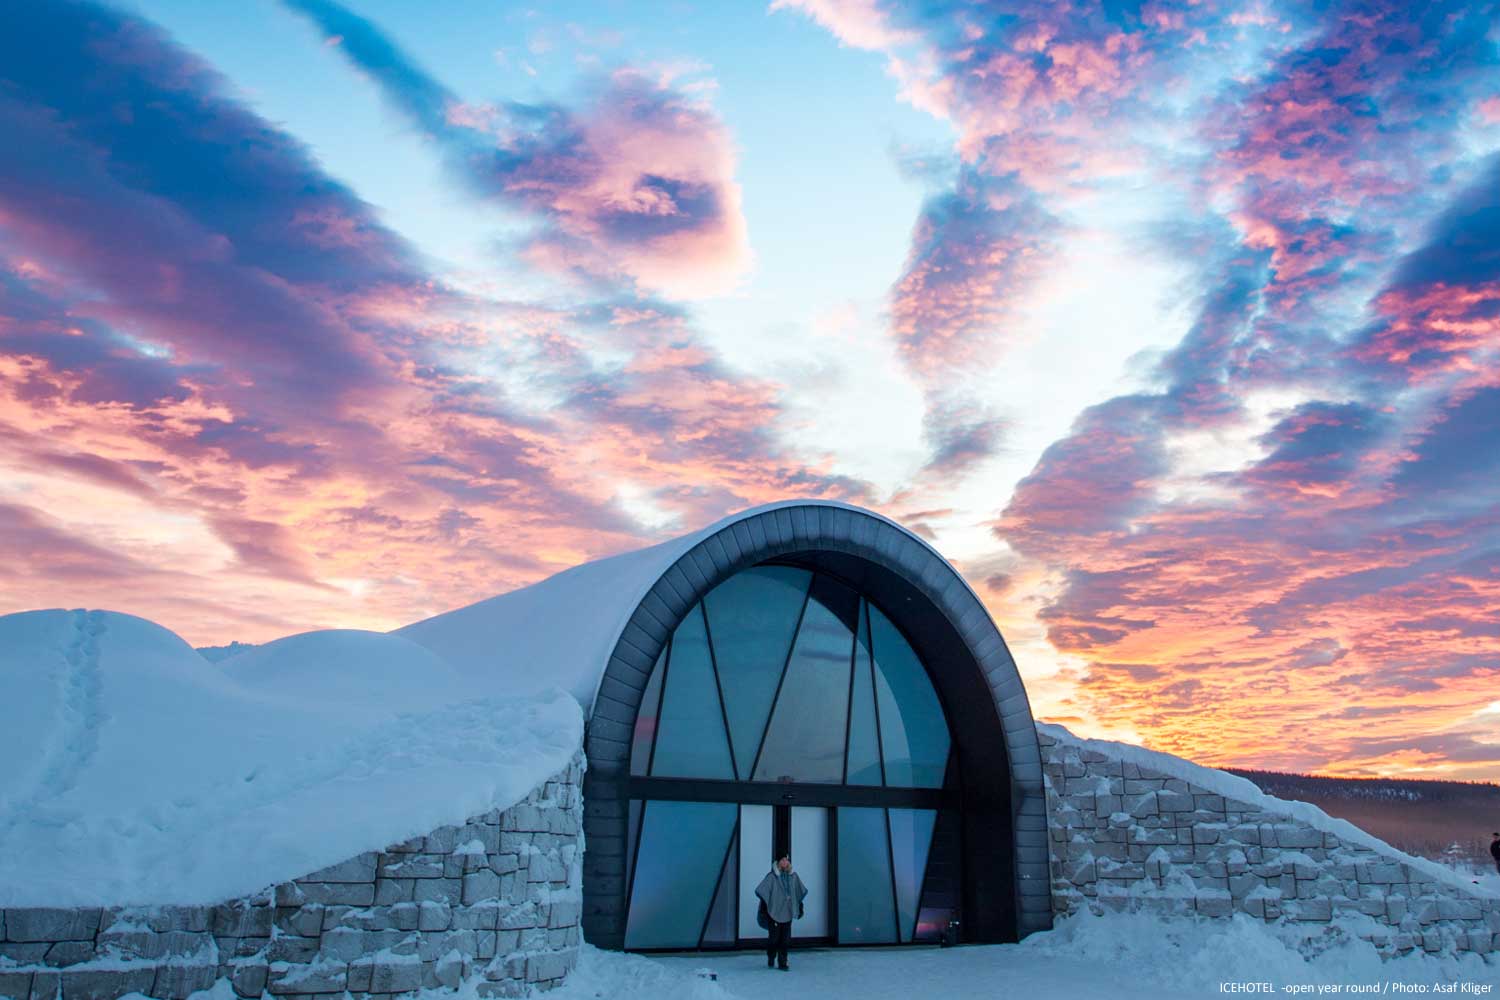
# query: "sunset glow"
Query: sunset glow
{"points": [[1175, 326]]}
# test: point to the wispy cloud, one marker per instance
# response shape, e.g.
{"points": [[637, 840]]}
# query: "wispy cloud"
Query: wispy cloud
{"points": [[218, 358], [637, 183]]}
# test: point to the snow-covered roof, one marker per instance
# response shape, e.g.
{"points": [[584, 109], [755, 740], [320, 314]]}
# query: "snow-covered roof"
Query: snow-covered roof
{"points": [[560, 632], [137, 772]]}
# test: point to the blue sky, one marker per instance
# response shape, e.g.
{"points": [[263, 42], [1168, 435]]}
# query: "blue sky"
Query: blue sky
{"points": [[1173, 325]]}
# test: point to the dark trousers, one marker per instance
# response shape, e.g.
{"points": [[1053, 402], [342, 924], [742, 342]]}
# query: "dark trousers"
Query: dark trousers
{"points": [[777, 938]]}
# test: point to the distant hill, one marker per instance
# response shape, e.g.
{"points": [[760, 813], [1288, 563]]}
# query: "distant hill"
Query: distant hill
{"points": [[213, 654], [1449, 821]]}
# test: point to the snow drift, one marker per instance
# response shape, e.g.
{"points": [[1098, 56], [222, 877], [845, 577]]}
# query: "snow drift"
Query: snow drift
{"points": [[137, 772]]}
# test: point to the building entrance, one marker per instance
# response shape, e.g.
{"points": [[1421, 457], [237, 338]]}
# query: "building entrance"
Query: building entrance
{"points": [[789, 716], [801, 832]]}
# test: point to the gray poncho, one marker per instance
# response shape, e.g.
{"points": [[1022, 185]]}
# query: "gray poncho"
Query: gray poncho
{"points": [[783, 895]]}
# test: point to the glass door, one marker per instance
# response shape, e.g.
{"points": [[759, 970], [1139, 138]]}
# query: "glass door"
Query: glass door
{"points": [[810, 861], [755, 861]]}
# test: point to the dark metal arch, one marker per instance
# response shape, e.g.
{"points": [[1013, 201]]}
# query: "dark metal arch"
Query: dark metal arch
{"points": [[1006, 893]]}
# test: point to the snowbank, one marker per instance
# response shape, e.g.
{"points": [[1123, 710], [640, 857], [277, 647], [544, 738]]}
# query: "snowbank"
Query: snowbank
{"points": [[1116, 956], [1113, 957], [1194, 954], [137, 772], [1232, 786]]}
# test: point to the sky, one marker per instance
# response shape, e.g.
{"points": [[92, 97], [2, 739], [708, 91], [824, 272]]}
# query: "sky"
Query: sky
{"points": [[1175, 327]]}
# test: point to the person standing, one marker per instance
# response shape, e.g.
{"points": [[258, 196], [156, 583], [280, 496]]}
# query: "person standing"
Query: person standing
{"points": [[781, 892], [1495, 851]]}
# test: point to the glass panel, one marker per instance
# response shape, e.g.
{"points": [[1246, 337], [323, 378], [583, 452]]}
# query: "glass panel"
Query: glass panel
{"points": [[634, 831], [913, 732], [676, 870], [645, 719], [866, 913], [751, 619], [864, 746], [691, 742], [942, 883], [755, 861], [932, 922], [911, 836], [720, 927], [806, 738], [810, 861]]}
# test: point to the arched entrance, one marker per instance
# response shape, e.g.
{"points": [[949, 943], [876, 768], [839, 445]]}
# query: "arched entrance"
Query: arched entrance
{"points": [[707, 752], [789, 715]]}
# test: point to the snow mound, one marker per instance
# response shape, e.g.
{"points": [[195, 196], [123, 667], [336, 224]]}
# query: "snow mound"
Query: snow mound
{"points": [[1196, 954], [346, 669], [1232, 786], [560, 631], [137, 772], [621, 976]]}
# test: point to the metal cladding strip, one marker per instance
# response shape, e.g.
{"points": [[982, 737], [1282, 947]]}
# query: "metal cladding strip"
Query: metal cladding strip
{"points": [[781, 531], [716, 547], [615, 689], [640, 638], [843, 527], [757, 528], [654, 611], [698, 567], [635, 658]]}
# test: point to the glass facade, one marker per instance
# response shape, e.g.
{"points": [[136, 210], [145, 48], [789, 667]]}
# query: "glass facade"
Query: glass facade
{"points": [[867, 908], [783, 675], [780, 673], [805, 738], [679, 855]]}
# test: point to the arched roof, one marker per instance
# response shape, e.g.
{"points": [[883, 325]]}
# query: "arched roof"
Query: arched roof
{"points": [[596, 629]]}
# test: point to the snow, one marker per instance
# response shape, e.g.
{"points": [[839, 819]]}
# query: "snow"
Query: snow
{"points": [[1120, 956], [562, 630], [137, 772], [1232, 786]]}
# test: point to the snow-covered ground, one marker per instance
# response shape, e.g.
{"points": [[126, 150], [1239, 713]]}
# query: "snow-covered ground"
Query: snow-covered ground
{"points": [[135, 771], [1116, 957], [1111, 957]]}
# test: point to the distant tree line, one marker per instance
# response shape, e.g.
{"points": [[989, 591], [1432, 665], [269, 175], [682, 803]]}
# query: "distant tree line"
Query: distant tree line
{"points": [[1447, 821]]}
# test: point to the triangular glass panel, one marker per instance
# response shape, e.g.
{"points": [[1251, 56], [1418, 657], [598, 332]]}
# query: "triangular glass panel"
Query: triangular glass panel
{"points": [[752, 617], [646, 719], [911, 837], [805, 739], [691, 742], [913, 731], [866, 912], [681, 855], [864, 745], [720, 926]]}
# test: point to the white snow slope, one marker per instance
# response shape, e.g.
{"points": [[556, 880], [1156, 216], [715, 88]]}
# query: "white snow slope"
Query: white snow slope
{"points": [[133, 771]]}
